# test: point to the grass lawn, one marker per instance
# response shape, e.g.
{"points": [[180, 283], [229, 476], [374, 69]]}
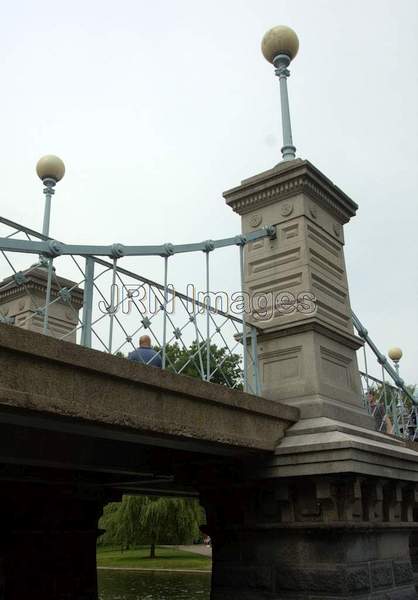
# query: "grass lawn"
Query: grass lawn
{"points": [[166, 558]]}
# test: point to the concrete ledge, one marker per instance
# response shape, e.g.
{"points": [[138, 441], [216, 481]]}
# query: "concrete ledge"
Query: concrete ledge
{"points": [[56, 379], [322, 446]]}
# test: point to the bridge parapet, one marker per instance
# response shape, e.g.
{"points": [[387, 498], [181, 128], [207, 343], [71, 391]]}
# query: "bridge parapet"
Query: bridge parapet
{"points": [[48, 379]]}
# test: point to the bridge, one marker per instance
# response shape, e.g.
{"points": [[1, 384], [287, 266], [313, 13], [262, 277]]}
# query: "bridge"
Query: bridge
{"points": [[305, 464]]}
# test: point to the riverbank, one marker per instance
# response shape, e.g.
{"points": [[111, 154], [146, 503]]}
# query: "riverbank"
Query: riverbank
{"points": [[167, 559]]}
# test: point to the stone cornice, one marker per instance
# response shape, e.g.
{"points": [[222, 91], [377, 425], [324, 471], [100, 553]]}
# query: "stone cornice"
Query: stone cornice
{"points": [[289, 179]]}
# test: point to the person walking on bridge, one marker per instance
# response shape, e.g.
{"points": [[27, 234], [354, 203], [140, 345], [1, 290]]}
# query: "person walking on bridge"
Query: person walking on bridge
{"points": [[145, 354]]}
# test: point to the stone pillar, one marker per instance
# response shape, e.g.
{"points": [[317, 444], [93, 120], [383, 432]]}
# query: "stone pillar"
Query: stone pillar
{"points": [[307, 351], [23, 295], [331, 513], [48, 542]]}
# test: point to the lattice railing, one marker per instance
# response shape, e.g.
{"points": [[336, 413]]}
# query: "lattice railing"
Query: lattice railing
{"points": [[393, 405], [191, 335]]}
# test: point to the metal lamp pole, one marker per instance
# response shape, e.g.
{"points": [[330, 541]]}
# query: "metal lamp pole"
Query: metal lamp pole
{"points": [[49, 192], [280, 46], [50, 170], [395, 355], [281, 62]]}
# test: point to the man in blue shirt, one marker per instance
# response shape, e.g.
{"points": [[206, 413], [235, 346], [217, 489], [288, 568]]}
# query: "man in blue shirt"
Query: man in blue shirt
{"points": [[145, 354]]}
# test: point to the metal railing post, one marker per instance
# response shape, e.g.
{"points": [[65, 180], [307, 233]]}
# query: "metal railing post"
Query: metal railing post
{"points": [[164, 358], [112, 306], [48, 296], [207, 318], [88, 302], [244, 321], [254, 353]]}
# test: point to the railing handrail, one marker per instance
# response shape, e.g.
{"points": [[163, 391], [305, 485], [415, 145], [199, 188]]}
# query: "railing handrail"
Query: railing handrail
{"points": [[363, 333], [377, 380], [53, 248], [125, 272]]}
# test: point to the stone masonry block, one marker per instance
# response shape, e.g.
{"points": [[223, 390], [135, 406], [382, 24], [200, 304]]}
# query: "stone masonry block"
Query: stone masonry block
{"points": [[357, 579], [403, 572], [381, 575]]}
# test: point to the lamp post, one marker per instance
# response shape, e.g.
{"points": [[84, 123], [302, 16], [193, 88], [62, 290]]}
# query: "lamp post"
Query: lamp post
{"points": [[280, 46], [395, 355], [50, 170]]}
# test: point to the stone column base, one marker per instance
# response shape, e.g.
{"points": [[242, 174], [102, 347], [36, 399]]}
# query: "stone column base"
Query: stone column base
{"points": [[341, 563], [312, 539]]}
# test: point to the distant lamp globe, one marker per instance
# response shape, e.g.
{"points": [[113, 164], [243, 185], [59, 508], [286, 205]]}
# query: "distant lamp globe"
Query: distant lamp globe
{"points": [[50, 167], [279, 40], [395, 354]]}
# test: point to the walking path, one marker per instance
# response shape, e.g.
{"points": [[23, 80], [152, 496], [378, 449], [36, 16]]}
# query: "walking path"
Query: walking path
{"points": [[197, 549], [163, 570]]}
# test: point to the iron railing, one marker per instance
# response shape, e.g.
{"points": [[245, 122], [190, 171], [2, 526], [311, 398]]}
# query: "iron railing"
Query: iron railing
{"points": [[188, 332], [385, 394], [191, 334]]}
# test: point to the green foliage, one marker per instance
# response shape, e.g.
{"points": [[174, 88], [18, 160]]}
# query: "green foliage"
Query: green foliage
{"points": [[169, 520], [110, 524], [151, 520], [225, 368]]}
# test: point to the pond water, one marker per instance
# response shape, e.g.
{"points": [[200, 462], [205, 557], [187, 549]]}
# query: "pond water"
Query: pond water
{"points": [[153, 585]]}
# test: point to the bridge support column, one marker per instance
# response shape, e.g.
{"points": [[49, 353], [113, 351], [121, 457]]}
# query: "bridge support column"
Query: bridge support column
{"points": [[48, 543], [332, 513], [321, 538]]}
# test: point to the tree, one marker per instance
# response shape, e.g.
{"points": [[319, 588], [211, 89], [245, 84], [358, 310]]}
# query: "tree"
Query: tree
{"points": [[224, 367], [109, 523], [165, 519], [151, 520]]}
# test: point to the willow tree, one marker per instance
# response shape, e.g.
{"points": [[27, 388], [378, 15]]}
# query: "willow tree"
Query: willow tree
{"points": [[169, 520], [152, 520]]}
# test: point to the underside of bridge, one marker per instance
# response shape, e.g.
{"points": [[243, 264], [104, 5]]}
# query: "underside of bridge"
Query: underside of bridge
{"points": [[79, 428]]}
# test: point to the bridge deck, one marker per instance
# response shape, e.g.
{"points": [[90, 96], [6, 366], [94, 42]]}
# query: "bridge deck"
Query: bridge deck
{"points": [[130, 426]]}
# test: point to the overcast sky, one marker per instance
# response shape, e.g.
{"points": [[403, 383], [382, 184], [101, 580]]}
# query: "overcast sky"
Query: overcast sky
{"points": [[158, 107]]}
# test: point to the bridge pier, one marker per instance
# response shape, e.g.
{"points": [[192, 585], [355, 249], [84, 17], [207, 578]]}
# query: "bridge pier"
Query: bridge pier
{"points": [[332, 511], [323, 538], [48, 539]]}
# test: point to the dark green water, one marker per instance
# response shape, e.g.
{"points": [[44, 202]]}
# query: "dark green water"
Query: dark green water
{"points": [[137, 585]]}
